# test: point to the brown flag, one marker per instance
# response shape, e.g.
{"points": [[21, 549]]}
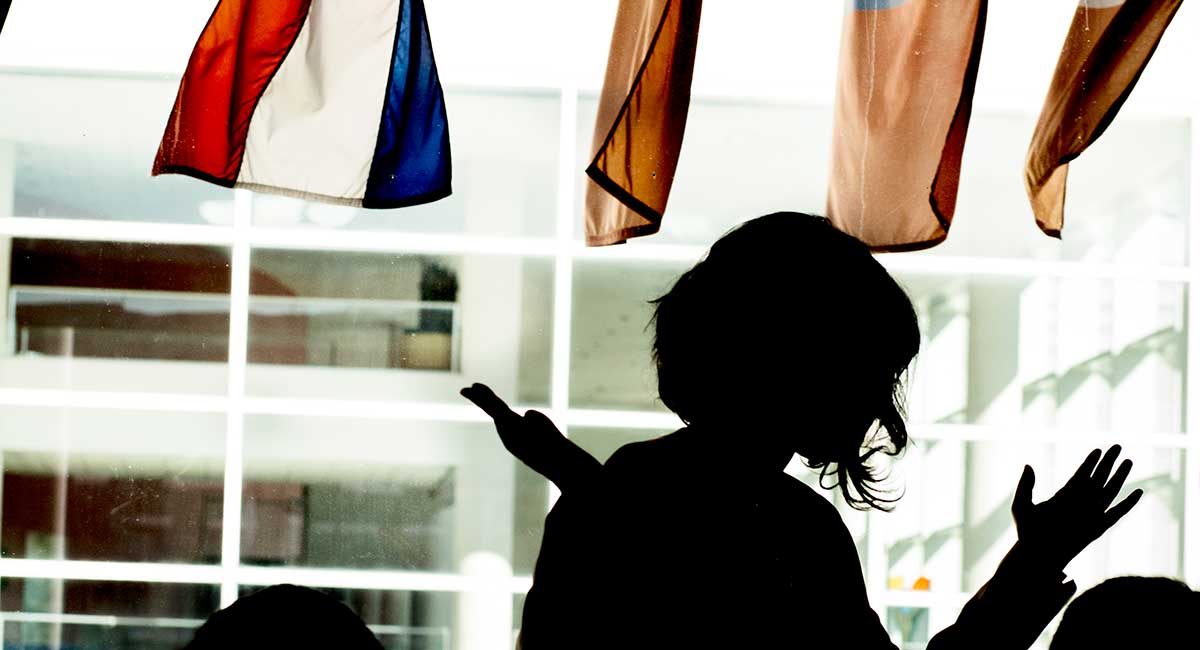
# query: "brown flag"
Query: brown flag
{"points": [[1107, 47], [643, 110], [905, 84]]}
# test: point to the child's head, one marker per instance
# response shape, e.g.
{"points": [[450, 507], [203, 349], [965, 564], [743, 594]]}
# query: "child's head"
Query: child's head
{"points": [[285, 616], [1129, 612], [790, 327]]}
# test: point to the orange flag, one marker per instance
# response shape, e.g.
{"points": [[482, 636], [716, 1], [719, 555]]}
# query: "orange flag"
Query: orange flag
{"points": [[1108, 46], [643, 111], [905, 84]]}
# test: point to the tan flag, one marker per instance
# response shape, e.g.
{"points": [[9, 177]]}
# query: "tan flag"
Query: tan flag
{"points": [[643, 110], [905, 84], [1107, 47]]}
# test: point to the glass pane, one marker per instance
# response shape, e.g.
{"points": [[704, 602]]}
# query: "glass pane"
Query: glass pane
{"points": [[610, 342], [909, 627], [387, 494], [100, 636], [112, 485], [1049, 353], [115, 316], [411, 327], [532, 500], [105, 598], [505, 166], [518, 612], [953, 525], [1127, 196], [98, 167]]}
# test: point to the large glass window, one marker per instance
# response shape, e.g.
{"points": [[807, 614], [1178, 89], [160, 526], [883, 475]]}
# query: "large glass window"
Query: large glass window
{"points": [[75, 307], [112, 485], [80, 147], [204, 391]]}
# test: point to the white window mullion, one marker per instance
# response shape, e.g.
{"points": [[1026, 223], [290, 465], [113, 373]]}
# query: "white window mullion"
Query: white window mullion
{"points": [[564, 244], [570, 417], [560, 355], [565, 234], [1191, 477], [239, 322], [157, 572], [115, 231]]}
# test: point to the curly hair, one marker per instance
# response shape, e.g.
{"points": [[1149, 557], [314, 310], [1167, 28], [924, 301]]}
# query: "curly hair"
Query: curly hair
{"points": [[783, 292]]}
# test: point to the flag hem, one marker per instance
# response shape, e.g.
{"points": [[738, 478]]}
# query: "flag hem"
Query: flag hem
{"points": [[621, 236], [621, 194], [630, 202], [909, 247], [186, 170], [375, 204], [370, 204], [408, 201]]}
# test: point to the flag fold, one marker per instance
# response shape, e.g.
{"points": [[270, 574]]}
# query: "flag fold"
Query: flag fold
{"points": [[1108, 45], [906, 80], [642, 114]]}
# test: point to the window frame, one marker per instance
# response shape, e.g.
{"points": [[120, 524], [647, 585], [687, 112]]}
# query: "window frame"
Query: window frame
{"points": [[564, 249]]}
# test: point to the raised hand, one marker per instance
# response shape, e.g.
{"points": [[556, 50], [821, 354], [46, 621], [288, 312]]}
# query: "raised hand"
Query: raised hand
{"points": [[1059, 528], [534, 440]]}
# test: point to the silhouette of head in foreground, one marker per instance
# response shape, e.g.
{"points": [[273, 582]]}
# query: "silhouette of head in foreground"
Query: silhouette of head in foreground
{"points": [[285, 616], [788, 312], [1130, 612]]}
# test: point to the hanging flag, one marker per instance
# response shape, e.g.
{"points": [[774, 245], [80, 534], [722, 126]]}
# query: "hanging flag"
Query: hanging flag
{"points": [[1109, 44], [336, 102], [643, 111], [905, 84]]}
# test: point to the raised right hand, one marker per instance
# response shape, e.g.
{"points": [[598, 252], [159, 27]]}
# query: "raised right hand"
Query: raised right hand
{"points": [[1058, 529]]}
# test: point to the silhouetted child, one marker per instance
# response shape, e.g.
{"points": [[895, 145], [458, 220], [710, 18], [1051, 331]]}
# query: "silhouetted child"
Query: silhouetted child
{"points": [[286, 617], [787, 338], [1131, 612]]}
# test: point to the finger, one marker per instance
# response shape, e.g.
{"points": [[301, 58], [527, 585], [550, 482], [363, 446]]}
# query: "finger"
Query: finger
{"points": [[1085, 470], [1023, 499], [1121, 509], [1114, 485], [1100, 475], [484, 398]]}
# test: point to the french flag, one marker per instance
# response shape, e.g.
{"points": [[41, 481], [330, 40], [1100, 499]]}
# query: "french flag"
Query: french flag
{"points": [[324, 100]]}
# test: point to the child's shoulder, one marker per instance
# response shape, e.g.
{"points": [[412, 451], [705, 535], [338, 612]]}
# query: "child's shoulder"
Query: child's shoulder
{"points": [[809, 499], [644, 455], [649, 464]]}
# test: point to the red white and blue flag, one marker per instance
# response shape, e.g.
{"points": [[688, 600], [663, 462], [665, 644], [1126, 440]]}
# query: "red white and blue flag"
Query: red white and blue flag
{"points": [[331, 101]]}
